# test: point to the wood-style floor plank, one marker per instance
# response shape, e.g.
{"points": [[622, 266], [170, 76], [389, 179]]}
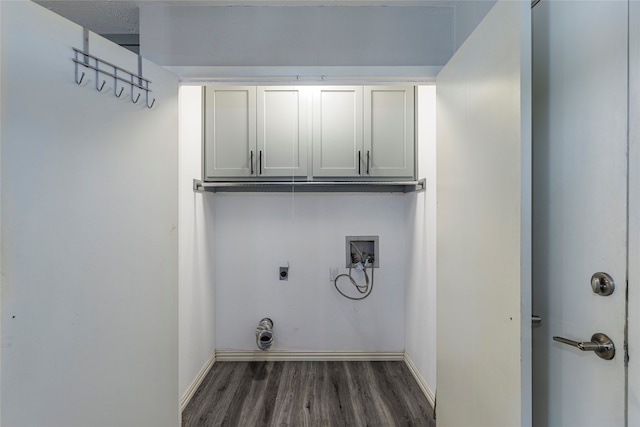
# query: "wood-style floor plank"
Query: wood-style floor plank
{"points": [[308, 394], [220, 391]]}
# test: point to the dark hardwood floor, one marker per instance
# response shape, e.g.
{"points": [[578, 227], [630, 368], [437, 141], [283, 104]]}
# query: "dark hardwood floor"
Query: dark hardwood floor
{"points": [[297, 394]]}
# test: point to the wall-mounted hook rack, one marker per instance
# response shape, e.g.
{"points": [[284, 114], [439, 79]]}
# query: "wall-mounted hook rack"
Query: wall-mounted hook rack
{"points": [[105, 70]]}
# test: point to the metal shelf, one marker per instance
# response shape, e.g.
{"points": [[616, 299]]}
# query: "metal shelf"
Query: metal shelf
{"points": [[310, 186]]}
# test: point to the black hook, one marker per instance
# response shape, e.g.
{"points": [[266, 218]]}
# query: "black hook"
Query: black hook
{"points": [[118, 95], [101, 87], [136, 100], [81, 78], [152, 102]]}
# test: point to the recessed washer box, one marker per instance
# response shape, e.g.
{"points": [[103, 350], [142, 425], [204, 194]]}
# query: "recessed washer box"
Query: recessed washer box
{"points": [[367, 245]]}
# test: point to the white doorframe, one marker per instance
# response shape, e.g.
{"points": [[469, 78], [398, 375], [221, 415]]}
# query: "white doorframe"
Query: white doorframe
{"points": [[633, 303]]}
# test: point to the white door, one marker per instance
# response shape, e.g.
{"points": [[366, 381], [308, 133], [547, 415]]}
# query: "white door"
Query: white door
{"points": [[580, 209], [483, 228], [282, 131], [388, 131], [89, 242]]}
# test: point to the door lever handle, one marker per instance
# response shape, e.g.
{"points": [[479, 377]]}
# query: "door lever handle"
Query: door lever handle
{"points": [[600, 344]]}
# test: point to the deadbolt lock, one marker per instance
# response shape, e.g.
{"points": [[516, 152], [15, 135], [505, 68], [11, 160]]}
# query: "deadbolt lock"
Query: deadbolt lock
{"points": [[602, 284]]}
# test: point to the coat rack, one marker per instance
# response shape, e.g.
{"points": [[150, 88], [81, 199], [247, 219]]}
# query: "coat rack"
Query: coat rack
{"points": [[105, 70]]}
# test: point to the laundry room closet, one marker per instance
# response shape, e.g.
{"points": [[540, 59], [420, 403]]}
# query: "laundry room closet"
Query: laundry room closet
{"points": [[138, 250]]}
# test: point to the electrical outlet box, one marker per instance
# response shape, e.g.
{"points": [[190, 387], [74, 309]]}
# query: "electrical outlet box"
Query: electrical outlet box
{"points": [[359, 247]]}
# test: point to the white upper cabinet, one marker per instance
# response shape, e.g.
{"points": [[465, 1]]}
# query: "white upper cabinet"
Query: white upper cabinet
{"points": [[230, 132], [337, 131], [340, 132], [282, 131], [389, 148]]}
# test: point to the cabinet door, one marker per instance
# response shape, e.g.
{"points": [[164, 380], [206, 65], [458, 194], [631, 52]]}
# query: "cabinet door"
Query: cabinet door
{"points": [[282, 131], [388, 131], [337, 131], [230, 132]]}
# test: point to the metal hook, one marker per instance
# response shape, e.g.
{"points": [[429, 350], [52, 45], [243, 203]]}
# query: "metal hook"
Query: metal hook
{"points": [[76, 67], [135, 101], [147, 97], [115, 83], [97, 68]]}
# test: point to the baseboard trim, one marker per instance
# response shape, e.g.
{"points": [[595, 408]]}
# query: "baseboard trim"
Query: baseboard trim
{"points": [[186, 398], [284, 355], [431, 397]]}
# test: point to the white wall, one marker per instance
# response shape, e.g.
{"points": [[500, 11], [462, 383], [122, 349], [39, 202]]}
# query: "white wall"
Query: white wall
{"points": [[89, 235], [258, 233], [296, 36], [420, 341], [467, 16], [197, 334]]}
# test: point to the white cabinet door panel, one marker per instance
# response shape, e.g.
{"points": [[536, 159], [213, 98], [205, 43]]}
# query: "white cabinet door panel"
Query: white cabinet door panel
{"points": [[389, 130], [230, 131], [337, 131], [282, 131]]}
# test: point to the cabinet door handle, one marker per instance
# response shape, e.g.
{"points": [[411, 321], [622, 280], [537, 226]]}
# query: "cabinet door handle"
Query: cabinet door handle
{"points": [[368, 162], [359, 162], [260, 161], [251, 161]]}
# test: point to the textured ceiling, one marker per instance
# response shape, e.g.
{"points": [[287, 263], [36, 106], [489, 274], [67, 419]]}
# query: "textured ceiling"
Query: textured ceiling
{"points": [[122, 16], [99, 16]]}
